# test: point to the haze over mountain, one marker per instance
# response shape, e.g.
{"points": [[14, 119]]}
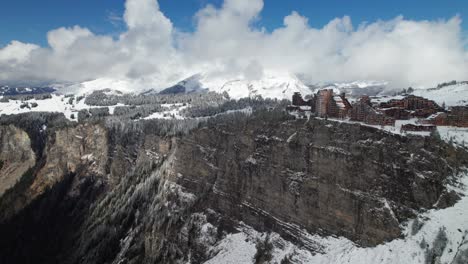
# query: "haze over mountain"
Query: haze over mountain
{"points": [[226, 45]]}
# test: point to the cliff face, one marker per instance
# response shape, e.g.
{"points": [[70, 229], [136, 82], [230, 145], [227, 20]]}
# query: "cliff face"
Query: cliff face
{"points": [[16, 156], [124, 194], [330, 178], [81, 149]]}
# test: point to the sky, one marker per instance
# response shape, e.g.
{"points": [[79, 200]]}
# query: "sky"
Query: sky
{"points": [[30, 20], [149, 42]]}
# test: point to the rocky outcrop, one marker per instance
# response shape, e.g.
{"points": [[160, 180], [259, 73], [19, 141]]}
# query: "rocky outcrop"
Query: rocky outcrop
{"points": [[83, 148], [16, 156], [127, 193]]}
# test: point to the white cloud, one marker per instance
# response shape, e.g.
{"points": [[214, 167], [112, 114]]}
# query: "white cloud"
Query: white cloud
{"points": [[16, 52], [60, 40], [225, 42]]}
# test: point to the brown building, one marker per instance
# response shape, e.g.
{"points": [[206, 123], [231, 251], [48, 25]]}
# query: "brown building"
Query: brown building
{"points": [[437, 119], [457, 116], [327, 104], [396, 113], [322, 102], [410, 106], [411, 102], [363, 111]]}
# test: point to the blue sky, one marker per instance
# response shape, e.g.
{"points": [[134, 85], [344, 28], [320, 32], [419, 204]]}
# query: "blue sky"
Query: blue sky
{"points": [[30, 20]]}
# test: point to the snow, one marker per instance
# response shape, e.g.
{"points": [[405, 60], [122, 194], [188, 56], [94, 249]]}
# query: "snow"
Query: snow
{"points": [[273, 84], [391, 129], [56, 104], [291, 138], [60, 104], [361, 84], [452, 95], [339, 102], [281, 85], [125, 86], [251, 160], [240, 247], [173, 112], [234, 249], [455, 135], [405, 250]]}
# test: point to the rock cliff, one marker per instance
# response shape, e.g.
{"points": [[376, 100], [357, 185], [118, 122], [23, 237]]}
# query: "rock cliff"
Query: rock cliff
{"points": [[126, 193]]}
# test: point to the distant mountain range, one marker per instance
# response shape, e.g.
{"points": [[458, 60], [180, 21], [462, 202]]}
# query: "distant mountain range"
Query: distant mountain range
{"points": [[279, 85], [9, 90]]}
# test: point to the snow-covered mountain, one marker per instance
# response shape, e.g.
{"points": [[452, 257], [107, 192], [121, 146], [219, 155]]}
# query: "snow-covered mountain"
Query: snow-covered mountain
{"points": [[279, 85], [271, 85], [119, 86], [189, 85]]}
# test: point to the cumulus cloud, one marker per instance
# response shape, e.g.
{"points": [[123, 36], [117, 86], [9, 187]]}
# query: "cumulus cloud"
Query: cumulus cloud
{"points": [[226, 42]]}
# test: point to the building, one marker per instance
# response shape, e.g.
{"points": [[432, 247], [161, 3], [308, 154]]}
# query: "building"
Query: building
{"points": [[343, 107], [437, 119], [362, 111], [458, 116], [327, 104], [410, 106], [411, 102], [322, 102], [396, 113]]}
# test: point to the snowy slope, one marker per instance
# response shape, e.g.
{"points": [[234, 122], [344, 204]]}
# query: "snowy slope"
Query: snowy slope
{"points": [[451, 95], [458, 136], [123, 86], [281, 85], [55, 104], [189, 85]]}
